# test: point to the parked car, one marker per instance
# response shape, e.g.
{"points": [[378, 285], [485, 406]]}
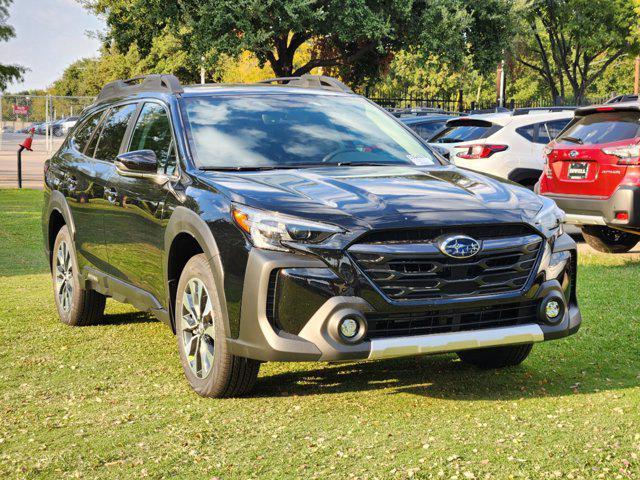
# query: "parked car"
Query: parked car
{"points": [[593, 173], [506, 144], [296, 222], [39, 128], [61, 127], [427, 125]]}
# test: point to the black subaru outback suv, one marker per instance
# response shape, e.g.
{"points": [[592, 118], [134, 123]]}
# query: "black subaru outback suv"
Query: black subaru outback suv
{"points": [[296, 221]]}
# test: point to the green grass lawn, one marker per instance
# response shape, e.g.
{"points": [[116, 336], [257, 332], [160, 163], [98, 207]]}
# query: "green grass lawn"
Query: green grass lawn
{"points": [[110, 401]]}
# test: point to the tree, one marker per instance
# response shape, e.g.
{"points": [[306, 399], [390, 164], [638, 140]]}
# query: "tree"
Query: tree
{"points": [[8, 73], [571, 43], [356, 37]]}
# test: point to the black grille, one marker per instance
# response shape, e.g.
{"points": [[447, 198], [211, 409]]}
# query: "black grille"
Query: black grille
{"points": [[429, 234], [408, 265], [384, 325]]}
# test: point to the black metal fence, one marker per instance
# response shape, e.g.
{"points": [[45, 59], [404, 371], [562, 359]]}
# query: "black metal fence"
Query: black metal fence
{"points": [[455, 103]]}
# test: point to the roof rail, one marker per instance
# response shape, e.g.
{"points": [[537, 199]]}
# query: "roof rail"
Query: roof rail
{"points": [[526, 111], [483, 111], [311, 81], [419, 111], [142, 83]]}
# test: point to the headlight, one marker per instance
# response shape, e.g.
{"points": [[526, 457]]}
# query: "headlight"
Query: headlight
{"points": [[550, 218], [272, 231]]}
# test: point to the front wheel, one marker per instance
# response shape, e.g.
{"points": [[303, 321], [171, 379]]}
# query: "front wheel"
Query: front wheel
{"points": [[210, 369], [496, 357], [609, 240]]}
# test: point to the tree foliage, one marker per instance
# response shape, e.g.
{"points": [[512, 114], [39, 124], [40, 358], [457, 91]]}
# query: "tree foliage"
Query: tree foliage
{"points": [[357, 38], [571, 43], [8, 73]]}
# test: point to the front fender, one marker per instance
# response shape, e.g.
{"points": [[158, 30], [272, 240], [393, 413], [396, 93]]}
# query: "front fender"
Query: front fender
{"points": [[184, 220]]}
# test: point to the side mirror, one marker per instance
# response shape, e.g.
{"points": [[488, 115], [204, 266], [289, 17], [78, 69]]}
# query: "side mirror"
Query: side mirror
{"points": [[139, 163]]}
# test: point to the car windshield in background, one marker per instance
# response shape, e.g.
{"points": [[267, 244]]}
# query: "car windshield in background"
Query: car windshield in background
{"points": [[603, 128], [462, 133], [288, 131]]}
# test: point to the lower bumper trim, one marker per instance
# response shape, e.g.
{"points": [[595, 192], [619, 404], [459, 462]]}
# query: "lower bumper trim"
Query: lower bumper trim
{"points": [[453, 342], [576, 219]]}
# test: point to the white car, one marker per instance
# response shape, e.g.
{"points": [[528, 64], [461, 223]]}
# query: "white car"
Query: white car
{"points": [[505, 144], [61, 127]]}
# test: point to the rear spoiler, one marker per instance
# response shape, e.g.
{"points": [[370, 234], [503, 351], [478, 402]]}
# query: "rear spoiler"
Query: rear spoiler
{"points": [[474, 122], [615, 107]]}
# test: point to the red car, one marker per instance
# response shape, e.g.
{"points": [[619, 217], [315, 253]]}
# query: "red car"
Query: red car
{"points": [[593, 174]]}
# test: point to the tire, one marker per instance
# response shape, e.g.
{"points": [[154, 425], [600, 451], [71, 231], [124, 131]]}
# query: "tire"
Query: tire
{"points": [[609, 240], [209, 367], [76, 306], [496, 357]]}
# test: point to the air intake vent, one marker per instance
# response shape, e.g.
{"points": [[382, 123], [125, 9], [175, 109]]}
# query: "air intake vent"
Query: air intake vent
{"points": [[384, 325], [271, 297]]}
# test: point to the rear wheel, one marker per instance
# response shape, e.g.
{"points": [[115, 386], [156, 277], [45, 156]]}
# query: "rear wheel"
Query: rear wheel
{"points": [[496, 357], [210, 369], [609, 240], [76, 306]]}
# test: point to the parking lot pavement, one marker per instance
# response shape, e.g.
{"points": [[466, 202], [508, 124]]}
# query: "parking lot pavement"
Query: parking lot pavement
{"points": [[32, 162]]}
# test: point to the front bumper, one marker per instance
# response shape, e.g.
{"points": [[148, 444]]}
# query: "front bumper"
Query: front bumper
{"points": [[587, 210], [320, 301]]}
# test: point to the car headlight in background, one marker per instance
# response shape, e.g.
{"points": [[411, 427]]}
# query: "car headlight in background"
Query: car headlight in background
{"points": [[550, 218], [272, 231]]}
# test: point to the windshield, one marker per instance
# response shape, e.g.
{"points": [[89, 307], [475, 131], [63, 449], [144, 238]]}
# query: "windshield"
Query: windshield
{"points": [[603, 128], [285, 131]]}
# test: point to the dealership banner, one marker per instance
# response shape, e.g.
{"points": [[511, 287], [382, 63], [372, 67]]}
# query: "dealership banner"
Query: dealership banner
{"points": [[21, 110]]}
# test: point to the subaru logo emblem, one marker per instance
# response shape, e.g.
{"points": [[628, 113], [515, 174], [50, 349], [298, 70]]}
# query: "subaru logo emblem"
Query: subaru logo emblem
{"points": [[459, 246], [573, 153]]}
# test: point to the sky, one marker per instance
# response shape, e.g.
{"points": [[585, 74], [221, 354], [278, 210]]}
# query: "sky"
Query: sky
{"points": [[50, 35]]}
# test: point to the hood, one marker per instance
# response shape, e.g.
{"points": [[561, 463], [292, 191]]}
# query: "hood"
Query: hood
{"points": [[376, 197]]}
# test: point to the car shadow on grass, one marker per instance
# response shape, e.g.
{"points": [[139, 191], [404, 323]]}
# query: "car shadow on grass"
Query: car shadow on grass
{"points": [[441, 376], [128, 318]]}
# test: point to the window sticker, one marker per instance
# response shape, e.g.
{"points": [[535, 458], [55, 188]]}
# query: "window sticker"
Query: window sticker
{"points": [[420, 160]]}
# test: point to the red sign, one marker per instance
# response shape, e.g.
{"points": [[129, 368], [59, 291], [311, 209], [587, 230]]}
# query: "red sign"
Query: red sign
{"points": [[21, 110]]}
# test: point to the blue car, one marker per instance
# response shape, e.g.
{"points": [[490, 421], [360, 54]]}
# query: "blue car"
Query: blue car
{"points": [[427, 125]]}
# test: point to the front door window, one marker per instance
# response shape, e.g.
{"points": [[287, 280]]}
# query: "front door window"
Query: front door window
{"points": [[153, 132]]}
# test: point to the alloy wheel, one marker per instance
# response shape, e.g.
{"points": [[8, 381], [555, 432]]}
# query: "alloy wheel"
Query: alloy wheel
{"points": [[197, 326], [64, 276]]}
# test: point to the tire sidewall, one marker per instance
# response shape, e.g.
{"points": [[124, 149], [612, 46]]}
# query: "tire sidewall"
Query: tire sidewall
{"points": [[198, 267], [67, 317]]}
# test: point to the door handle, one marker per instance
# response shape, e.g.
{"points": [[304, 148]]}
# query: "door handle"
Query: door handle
{"points": [[111, 195]]}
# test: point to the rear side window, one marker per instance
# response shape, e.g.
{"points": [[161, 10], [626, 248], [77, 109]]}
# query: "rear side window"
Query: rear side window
{"points": [[153, 132], [112, 132], [547, 131], [82, 136], [528, 131], [542, 132], [463, 132], [604, 127]]}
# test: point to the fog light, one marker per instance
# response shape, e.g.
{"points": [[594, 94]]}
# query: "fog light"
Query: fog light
{"points": [[552, 309], [348, 328]]}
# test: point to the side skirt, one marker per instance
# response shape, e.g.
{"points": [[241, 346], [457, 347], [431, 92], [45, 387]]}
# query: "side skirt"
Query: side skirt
{"points": [[124, 292]]}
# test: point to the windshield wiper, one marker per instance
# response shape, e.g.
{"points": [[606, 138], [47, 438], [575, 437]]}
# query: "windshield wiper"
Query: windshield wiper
{"points": [[243, 169], [364, 164], [572, 139]]}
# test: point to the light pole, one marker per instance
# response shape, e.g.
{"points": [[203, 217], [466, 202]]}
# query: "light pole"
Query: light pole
{"points": [[202, 70], [636, 80]]}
